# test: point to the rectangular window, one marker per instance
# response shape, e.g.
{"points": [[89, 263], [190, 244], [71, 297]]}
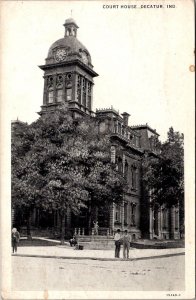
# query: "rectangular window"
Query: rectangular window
{"points": [[89, 103], [79, 95], [133, 210], [133, 177], [117, 213], [51, 97], [119, 128], [59, 95], [69, 94], [125, 213]]}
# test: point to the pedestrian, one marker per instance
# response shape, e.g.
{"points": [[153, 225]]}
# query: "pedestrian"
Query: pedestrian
{"points": [[96, 226], [126, 244], [117, 240], [73, 241], [15, 239]]}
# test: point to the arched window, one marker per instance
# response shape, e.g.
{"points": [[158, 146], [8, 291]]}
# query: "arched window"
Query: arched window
{"points": [[69, 94], [68, 91], [50, 95], [59, 95], [59, 88]]}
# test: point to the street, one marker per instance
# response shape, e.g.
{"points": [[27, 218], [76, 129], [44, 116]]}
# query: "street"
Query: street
{"points": [[35, 273]]}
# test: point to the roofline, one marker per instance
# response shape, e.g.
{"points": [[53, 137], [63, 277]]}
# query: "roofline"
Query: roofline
{"points": [[128, 144], [145, 127], [66, 63]]}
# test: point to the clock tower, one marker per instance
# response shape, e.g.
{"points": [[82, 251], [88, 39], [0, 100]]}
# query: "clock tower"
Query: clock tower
{"points": [[68, 75]]}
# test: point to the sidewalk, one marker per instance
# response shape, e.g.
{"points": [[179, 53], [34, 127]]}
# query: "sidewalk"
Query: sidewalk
{"points": [[67, 252]]}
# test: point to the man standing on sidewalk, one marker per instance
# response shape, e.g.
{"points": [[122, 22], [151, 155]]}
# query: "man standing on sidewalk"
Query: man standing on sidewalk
{"points": [[117, 240], [126, 244], [15, 239]]}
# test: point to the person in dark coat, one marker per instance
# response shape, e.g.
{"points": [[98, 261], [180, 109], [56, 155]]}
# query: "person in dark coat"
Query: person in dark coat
{"points": [[15, 239], [73, 241], [126, 239]]}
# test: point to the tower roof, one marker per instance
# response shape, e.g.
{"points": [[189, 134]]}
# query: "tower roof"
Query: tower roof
{"points": [[73, 48], [70, 21]]}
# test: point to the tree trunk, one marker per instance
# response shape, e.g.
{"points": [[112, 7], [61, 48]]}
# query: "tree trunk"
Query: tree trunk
{"points": [[29, 237], [62, 228]]}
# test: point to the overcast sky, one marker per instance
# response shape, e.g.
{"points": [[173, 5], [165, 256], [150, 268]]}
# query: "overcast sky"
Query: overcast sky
{"points": [[142, 57]]}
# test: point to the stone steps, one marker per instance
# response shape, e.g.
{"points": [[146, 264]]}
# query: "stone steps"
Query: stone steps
{"points": [[96, 242], [83, 238], [95, 245]]}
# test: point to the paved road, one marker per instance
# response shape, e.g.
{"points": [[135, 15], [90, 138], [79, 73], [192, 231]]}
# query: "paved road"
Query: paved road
{"points": [[33, 273]]}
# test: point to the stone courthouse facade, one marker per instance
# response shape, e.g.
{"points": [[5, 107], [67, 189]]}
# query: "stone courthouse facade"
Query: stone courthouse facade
{"points": [[68, 78]]}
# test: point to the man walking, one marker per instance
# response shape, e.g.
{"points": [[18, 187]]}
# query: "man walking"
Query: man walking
{"points": [[126, 244], [15, 239], [117, 240]]}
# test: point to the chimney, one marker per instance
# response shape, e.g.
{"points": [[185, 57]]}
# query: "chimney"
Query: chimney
{"points": [[125, 118]]}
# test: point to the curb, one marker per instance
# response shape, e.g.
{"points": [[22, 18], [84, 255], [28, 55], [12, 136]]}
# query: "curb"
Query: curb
{"points": [[99, 258]]}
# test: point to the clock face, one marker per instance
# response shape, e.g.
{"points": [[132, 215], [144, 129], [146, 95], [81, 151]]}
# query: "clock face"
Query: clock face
{"points": [[60, 54], [84, 57]]}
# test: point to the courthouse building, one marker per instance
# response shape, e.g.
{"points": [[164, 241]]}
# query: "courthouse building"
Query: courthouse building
{"points": [[69, 78]]}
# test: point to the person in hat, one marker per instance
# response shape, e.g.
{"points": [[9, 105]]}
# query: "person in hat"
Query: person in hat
{"points": [[117, 240], [126, 239]]}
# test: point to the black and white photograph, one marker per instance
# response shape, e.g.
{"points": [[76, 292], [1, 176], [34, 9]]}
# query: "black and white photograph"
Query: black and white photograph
{"points": [[97, 149]]}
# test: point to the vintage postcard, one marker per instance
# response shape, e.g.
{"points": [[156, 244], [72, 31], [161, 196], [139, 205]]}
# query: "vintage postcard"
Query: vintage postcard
{"points": [[97, 149]]}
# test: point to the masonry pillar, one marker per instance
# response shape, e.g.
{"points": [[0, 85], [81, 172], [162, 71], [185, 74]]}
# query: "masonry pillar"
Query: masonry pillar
{"points": [[122, 215], [172, 222], [151, 222], [123, 164], [159, 223], [177, 222], [112, 219]]}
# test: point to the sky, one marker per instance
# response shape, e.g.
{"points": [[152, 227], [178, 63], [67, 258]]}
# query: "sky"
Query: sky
{"points": [[142, 57]]}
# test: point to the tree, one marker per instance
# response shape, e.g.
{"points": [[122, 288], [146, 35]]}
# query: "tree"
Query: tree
{"points": [[163, 175], [60, 163]]}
